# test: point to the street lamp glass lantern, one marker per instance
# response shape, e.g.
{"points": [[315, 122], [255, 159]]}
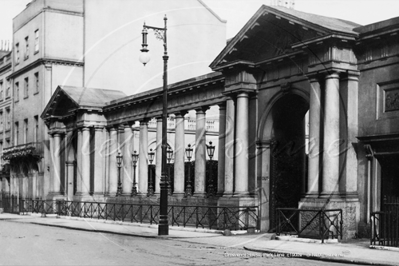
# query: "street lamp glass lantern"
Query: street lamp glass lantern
{"points": [[210, 149], [189, 152], [119, 158], [135, 157], [169, 154], [151, 156]]}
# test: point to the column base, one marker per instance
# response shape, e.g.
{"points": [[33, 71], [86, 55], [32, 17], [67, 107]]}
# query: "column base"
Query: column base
{"points": [[55, 196]]}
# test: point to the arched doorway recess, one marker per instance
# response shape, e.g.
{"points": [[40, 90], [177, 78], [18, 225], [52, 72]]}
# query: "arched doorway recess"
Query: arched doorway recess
{"points": [[286, 123]]}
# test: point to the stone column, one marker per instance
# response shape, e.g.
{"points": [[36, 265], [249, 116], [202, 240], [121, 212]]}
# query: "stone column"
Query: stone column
{"points": [[314, 137], [70, 164], [331, 136], [179, 154], [221, 148], [56, 163], [348, 133], [263, 152], [229, 150], [79, 163], [143, 162], [85, 161], [241, 158], [127, 149], [98, 161], [158, 156], [113, 169], [200, 152]]}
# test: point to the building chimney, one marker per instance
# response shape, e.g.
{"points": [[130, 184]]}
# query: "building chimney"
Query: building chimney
{"points": [[285, 3]]}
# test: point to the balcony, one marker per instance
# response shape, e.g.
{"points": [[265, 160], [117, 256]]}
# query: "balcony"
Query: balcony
{"points": [[32, 149]]}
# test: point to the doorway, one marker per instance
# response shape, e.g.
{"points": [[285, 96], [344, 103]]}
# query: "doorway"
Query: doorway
{"points": [[288, 157]]}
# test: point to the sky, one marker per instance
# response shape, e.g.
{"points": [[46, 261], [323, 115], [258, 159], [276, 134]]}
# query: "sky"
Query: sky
{"points": [[238, 12]]}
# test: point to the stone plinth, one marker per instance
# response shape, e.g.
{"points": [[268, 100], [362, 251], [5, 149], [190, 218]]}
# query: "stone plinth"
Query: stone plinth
{"points": [[350, 212]]}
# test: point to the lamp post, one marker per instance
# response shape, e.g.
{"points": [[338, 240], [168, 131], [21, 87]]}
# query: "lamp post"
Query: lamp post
{"points": [[189, 154], [169, 157], [163, 226], [135, 158], [211, 151], [119, 158], [151, 155]]}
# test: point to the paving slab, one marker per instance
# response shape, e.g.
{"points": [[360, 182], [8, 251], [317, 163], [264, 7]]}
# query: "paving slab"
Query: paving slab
{"points": [[357, 253]]}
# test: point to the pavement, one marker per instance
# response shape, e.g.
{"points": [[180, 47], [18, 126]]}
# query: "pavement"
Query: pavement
{"points": [[353, 251]]}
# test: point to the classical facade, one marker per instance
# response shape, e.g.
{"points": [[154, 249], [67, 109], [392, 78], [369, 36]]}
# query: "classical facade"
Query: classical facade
{"points": [[84, 43], [285, 75], [308, 118]]}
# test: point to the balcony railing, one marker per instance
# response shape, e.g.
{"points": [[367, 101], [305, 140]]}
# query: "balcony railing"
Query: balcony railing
{"points": [[30, 149], [212, 217]]}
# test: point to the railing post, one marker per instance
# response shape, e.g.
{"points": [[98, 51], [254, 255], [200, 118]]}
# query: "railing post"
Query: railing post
{"points": [[321, 215], [196, 217]]}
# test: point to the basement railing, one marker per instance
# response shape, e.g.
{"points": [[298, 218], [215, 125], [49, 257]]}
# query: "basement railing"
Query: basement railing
{"points": [[310, 223], [209, 217], [385, 224]]}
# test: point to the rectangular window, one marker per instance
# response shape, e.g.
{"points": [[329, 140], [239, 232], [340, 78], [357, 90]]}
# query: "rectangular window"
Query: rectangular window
{"points": [[8, 119], [36, 133], [36, 41], [16, 92], [16, 133], [26, 131], [26, 47], [26, 88], [8, 90], [17, 53], [36, 82], [1, 90], [1, 121]]}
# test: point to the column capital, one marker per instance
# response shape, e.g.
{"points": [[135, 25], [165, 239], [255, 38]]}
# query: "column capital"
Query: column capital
{"points": [[85, 128], [98, 128], [332, 75], [144, 122], [265, 143], [242, 94], [222, 106], [112, 128], [201, 109], [352, 75], [180, 114]]}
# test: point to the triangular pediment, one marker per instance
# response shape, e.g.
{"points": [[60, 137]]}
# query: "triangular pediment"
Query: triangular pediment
{"points": [[273, 31], [67, 99]]}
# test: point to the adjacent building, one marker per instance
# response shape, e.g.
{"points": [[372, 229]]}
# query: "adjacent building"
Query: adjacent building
{"points": [[90, 43]]}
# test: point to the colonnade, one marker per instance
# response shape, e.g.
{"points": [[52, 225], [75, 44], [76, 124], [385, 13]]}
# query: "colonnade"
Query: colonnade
{"points": [[90, 152], [332, 130]]}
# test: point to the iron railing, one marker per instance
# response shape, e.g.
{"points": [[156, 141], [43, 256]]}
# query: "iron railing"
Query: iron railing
{"points": [[11, 203], [210, 217], [385, 224], [313, 223]]}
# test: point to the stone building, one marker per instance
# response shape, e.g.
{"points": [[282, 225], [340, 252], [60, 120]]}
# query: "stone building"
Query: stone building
{"points": [[5, 110], [286, 74], [89, 43]]}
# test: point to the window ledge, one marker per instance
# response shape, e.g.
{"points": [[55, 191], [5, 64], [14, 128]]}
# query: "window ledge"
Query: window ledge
{"points": [[35, 93]]}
